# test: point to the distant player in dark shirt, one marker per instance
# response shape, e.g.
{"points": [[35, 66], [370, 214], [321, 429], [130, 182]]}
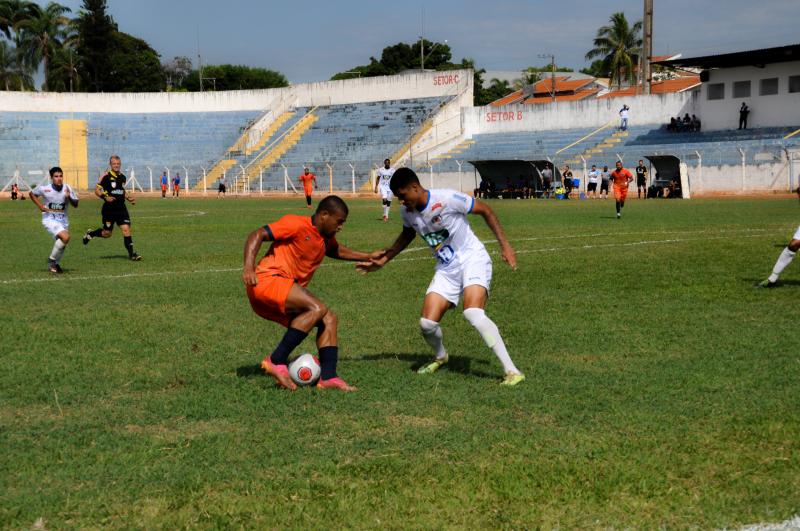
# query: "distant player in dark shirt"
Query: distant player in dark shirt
{"points": [[111, 190], [641, 179]]}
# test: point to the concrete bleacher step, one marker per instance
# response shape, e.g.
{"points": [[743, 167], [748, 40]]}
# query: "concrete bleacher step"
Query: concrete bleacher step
{"points": [[274, 152], [220, 168], [268, 132]]}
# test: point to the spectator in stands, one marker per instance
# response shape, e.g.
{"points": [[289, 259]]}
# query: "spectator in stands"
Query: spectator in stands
{"points": [[744, 110], [522, 187], [679, 125], [594, 175], [605, 177], [566, 178], [687, 122], [673, 125], [623, 117], [14, 191], [547, 180], [508, 189], [695, 124]]}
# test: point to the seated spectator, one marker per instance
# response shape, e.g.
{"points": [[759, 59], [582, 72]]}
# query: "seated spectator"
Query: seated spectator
{"points": [[695, 123], [521, 187], [673, 125], [508, 189], [679, 124], [687, 122]]}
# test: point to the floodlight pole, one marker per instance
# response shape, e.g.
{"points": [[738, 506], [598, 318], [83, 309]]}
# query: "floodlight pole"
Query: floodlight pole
{"points": [[647, 45]]}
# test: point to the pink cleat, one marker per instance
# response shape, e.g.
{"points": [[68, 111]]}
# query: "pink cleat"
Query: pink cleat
{"points": [[335, 383], [280, 373]]}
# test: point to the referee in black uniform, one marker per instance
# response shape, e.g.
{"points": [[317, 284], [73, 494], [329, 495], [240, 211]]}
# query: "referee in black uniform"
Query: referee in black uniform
{"points": [[111, 190]]}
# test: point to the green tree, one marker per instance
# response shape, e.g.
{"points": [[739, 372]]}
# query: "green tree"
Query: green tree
{"points": [[176, 72], [402, 56], [619, 46], [598, 68], [96, 30], [133, 66], [41, 35], [235, 77], [13, 75], [13, 12]]}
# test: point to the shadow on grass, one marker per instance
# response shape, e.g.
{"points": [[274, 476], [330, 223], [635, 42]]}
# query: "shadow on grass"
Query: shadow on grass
{"points": [[754, 281], [459, 364], [249, 371]]}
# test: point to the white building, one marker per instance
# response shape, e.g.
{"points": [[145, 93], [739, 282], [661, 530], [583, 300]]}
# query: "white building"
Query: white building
{"points": [[767, 80]]}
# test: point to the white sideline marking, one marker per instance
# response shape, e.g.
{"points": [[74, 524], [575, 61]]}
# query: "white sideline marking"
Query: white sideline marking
{"points": [[786, 525], [189, 214], [340, 264]]}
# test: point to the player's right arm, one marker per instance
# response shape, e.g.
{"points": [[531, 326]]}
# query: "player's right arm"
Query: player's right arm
{"points": [[251, 248], [402, 241], [35, 198]]}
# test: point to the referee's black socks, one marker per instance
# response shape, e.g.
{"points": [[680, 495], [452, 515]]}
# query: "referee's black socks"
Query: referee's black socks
{"points": [[129, 245]]}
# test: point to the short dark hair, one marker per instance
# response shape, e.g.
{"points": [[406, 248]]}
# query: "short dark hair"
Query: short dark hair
{"points": [[55, 169], [333, 204], [402, 178]]}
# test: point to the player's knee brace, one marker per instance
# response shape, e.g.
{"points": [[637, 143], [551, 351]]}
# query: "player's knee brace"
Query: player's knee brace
{"points": [[429, 328], [485, 327]]}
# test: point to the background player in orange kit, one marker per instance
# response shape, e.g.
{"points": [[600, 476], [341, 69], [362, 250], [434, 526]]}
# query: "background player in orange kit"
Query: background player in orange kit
{"points": [[621, 179], [277, 290], [308, 179]]}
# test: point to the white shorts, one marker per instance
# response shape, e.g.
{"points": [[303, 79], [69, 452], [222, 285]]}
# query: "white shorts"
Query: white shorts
{"points": [[450, 283], [386, 193], [796, 234], [54, 226]]}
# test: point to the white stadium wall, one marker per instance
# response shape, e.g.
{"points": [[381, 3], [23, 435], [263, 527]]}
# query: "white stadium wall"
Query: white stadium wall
{"points": [[655, 109], [416, 85], [782, 108]]}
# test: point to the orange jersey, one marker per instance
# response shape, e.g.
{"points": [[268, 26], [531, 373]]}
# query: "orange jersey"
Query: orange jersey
{"points": [[308, 181], [297, 249], [621, 178]]}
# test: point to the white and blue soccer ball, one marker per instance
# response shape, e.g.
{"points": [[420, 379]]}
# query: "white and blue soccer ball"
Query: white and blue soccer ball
{"points": [[305, 370]]}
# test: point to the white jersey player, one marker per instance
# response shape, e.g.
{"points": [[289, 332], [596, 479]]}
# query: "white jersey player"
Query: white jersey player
{"points": [[462, 264], [382, 184], [785, 258], [54, 200]]}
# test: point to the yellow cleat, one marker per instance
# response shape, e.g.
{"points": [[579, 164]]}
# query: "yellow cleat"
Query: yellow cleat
{"points": [[433, 366], [512, 379]]}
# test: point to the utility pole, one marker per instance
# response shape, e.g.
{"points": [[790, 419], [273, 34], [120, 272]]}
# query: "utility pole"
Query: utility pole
{"points": [[422, 40], [552, 73], [647, 45], [199, 60]]}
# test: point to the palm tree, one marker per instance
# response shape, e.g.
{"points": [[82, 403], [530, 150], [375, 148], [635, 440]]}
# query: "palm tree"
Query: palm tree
{"points": [[13, 12], [618, 45], [12, 73], [42, 35]]}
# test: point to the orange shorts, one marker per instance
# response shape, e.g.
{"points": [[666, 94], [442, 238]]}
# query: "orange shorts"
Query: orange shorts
{"points": [[177, 187], [163, 187], [620, 194], [268, 297], [308, 191]]}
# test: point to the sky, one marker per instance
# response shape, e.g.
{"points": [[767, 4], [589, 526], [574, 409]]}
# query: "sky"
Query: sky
{"points": [[310, 40]]}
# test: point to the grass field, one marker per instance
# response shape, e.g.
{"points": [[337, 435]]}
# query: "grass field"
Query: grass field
{"points": [[662, 390]]}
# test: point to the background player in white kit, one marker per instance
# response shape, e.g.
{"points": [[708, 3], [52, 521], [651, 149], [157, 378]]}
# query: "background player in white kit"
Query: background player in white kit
{"points": [[382, 182], [463, 265], [56, 198], [785, 258]]}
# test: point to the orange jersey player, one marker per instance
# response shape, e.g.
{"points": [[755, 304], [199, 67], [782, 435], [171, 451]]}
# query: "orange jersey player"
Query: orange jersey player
{"points": [[621, 179], [308, 180], [276, 286]]}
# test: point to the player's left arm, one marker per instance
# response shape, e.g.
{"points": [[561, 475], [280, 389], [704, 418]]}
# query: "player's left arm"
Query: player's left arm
{"points": [[129, 197], [340, 252], [506, 251], [72, 197]]}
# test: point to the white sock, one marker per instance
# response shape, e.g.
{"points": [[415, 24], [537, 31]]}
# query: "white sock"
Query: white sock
{"points": [[386, 211], [784, 260], [432, 333], [58, 251], [489, 332]]}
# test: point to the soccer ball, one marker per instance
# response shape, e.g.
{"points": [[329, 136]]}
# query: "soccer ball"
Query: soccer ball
{"points": [[305, 370]]}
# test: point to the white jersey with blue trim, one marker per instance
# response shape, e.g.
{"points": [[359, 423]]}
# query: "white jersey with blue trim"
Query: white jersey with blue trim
{"points": [[56, 201], [385, 176], [443, 224]]}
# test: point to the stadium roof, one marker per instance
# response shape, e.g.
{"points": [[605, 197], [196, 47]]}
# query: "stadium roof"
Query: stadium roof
{"points": [[679, 84], [765, 56]]}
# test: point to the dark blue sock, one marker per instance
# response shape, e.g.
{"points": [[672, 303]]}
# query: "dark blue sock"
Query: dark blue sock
{"points": [[289, 342], [328, 358]]}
